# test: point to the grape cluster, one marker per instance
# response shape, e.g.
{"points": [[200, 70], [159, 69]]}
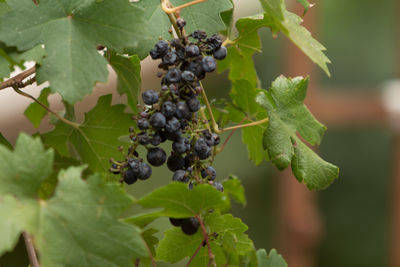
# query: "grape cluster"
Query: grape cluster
{"points": [[171, 114]]}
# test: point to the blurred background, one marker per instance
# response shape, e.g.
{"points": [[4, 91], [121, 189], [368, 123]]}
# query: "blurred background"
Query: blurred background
{"points": [[354, 222]]}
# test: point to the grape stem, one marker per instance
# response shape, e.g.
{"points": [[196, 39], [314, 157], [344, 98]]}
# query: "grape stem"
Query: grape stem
{"points": [[170, 10], [33, 260], [195, 253], [18, 79], [70, 123], [207, 240]]}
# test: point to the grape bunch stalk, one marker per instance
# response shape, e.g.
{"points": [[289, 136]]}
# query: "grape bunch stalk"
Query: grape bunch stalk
{"points": [[172, 114]]}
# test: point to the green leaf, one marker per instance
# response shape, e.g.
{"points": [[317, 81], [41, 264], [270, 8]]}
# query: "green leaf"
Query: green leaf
{"points": [[96, 139], [21, 173], [129, 80], [203, 16], [143, 219], [158, 24], [24, 169], [290, 25], [35, 112], [15, 217], [180, 202], [305, 5], [175, 246], [4, 142], [234, 188], [150, 239], [230, 232], [82, 219], [240, 55], [272, 260], [288, 116], [70, 31], [243, 95]]}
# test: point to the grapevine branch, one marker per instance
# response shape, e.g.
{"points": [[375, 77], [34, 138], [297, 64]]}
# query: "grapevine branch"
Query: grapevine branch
{"points": [[195, 253], [171, 10], [33, 260], [70, 123], [207, 241], [18, 79]]}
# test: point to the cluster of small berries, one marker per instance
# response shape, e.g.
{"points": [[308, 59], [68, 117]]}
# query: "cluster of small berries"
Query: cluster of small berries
{"points": [[172, 114]]}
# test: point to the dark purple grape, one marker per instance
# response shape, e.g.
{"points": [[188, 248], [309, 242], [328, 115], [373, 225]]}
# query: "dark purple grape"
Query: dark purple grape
{"points": [[203, 151], [180, 176], [219, 186], [130, 177], [193, 104], [182, 111], [190, 225], [181, 146], [176, 222], [209, 64], [156, 156], [150, 97], [157, 120], [180, 22], [221, 53], [209, 173], [142, 124], [199, 35], [169, 59], [197, 68], [144, 171], [162, 47], [175, 162], [168, 109], [155, 139], [154, 54], [172, 136], [216, 139], [187, 76], [172, 125], [173, 75], [143, 138], [192, 51], [214, 42]]}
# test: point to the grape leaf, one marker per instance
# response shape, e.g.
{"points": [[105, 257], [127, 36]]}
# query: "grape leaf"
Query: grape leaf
{"points": [[96, 139], [35, 112], [150, 239], [240, 55], [234, 188], [203, 16], [21, 173], [70, 32], [157, 22], [287, 116], [243, 95], [25, 168], [129, 80], [230, 232], [143, 219], [180, 202], [4, 142], [272, 260], [79, 225], [290, 25], [305, 5], [175, 246]]}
